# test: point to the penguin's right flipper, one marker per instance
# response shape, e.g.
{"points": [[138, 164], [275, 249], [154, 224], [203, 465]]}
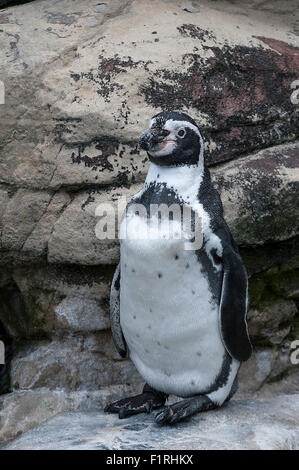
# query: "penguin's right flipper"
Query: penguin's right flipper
{"points": [[147, 401], [117, 334], [234, 299]]}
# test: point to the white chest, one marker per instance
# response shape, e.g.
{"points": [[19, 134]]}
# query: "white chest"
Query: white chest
{"points": [[167, 312]]}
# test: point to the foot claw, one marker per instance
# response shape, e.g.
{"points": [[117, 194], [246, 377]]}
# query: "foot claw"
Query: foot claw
{"points": [[176, 418], [125, 413], [164, 416], [148, 407], [172, 414]]}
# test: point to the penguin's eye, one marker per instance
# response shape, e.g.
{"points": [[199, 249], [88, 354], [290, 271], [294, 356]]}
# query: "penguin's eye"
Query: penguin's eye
{"points": [[181, 132]]}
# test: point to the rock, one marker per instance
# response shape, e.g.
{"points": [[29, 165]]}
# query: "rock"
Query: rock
{"points": [[254, 373], [267, 365], [280, 259], [29, 219], [51, 303], [191, 7], [74, 237], [287, 384], [258, 424], [79, 313], [273, 313], [20, 411], [102, 161], [74, 362], [258, 194], [76, 107], [41, 301], [273, 322], [100, 7], [23, 212]]}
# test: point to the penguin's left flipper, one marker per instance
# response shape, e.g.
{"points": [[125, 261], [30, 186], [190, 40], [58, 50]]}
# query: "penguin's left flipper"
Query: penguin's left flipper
{"points": [[234, 299], [145, 402], [184, 409]]}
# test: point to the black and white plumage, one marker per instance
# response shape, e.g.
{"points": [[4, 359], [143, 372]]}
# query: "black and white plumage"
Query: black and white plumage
{"points": [[181, 314]]}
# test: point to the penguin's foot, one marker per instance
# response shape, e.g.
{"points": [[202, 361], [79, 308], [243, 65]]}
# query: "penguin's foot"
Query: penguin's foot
{"points": [[184, 409], [147, 401]]}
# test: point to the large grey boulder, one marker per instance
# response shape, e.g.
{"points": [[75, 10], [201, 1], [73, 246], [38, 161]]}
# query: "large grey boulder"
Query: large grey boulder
{"points": [[81, 91]]}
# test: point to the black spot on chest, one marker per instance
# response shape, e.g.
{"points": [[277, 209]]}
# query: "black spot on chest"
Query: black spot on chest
{"points": [[158, 193]]}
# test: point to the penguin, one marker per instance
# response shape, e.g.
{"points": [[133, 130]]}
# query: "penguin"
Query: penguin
{"points": [[177, 308]]}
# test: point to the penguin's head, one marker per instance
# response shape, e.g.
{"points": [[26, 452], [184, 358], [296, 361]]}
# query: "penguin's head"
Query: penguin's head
{"points": [[173, 139]]}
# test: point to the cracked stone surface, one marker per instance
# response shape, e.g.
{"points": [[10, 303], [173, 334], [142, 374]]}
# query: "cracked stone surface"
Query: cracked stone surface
{"points": [[266, 424]]}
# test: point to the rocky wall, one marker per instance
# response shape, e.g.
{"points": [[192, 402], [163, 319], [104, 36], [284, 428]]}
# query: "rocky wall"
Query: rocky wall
{"points": [[81, 82]]}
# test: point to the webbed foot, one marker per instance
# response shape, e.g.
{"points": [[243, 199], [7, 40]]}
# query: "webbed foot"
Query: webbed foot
{"points": [[184, 409], [147, 401]]}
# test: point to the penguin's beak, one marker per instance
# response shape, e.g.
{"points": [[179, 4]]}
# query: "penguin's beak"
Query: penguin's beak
{"points": [[153, 140], [148, 140]]}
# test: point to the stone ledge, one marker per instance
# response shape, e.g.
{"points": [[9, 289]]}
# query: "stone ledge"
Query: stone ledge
{"points": [[23, 410], [242, 424]]}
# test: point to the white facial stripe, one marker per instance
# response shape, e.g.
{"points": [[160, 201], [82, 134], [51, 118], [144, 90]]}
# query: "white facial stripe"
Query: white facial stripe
{"points": [[152, 122], [172, 125]]}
